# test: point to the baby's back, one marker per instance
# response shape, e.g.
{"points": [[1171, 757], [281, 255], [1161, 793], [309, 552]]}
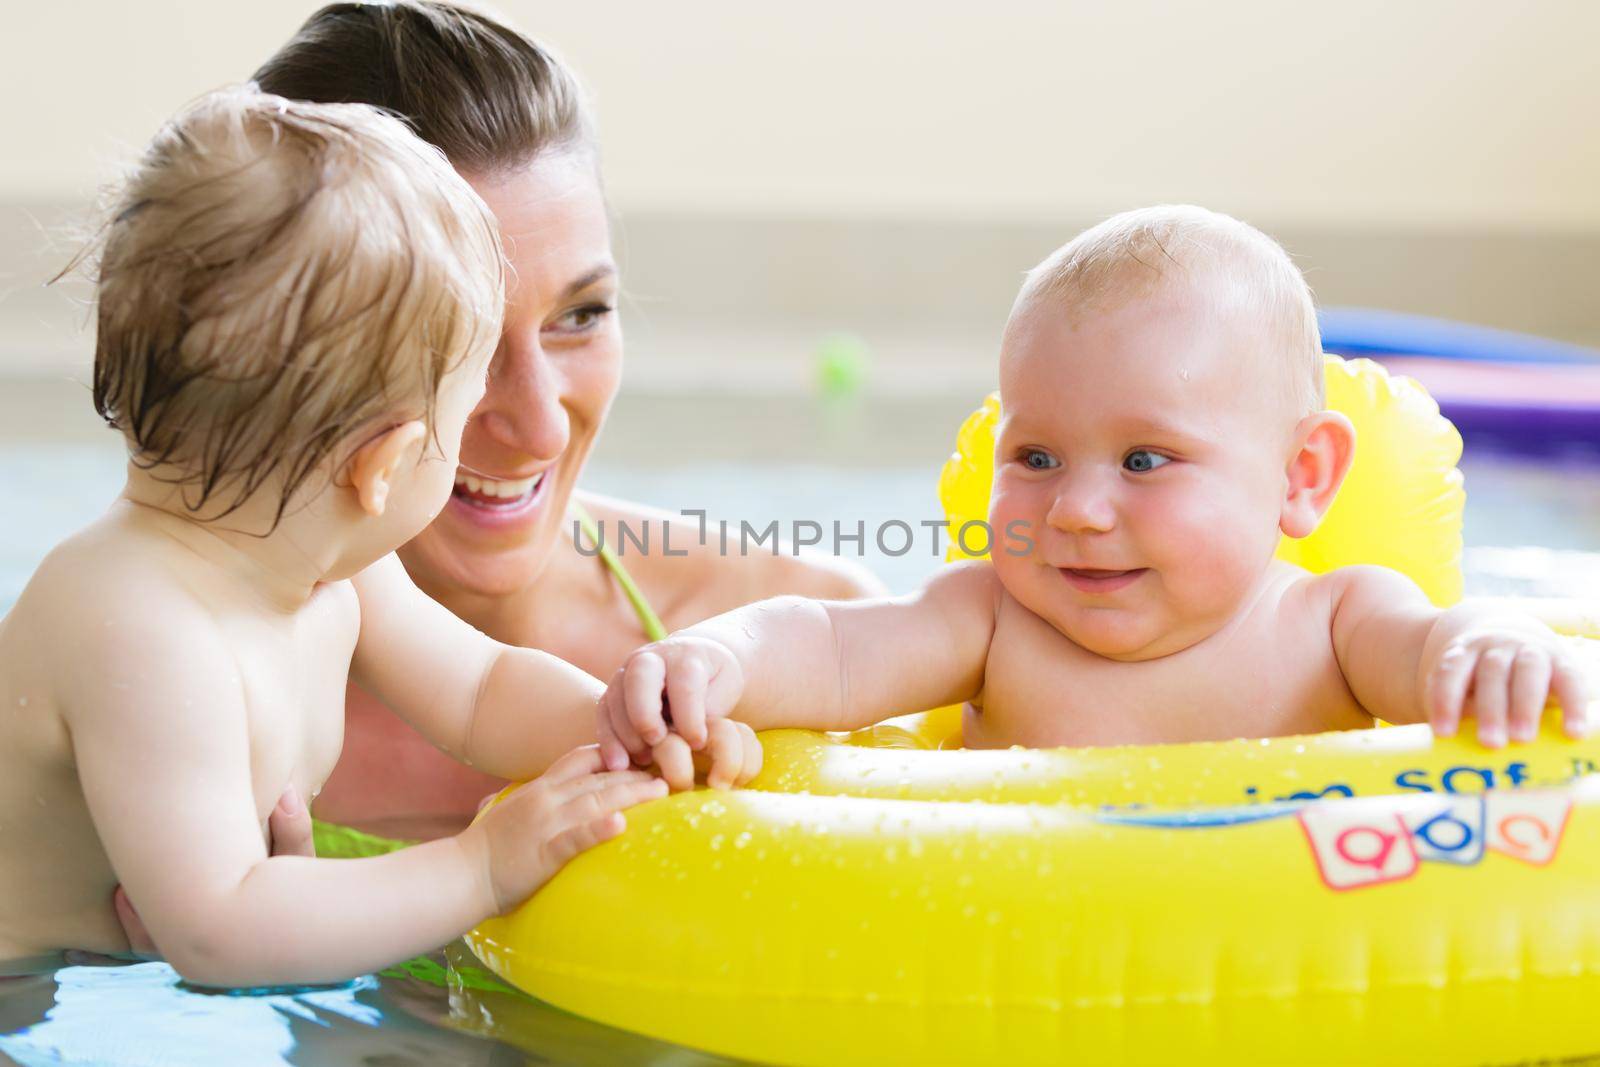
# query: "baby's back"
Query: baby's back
{"points": [[107, 641], [55, 880]]}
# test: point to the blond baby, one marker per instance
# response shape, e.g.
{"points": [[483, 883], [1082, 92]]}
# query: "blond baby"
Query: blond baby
{"points": [[297, 306], [1162, 427]]}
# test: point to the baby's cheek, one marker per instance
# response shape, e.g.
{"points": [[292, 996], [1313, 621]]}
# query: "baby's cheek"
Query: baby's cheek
{"points": [[1018, 507], [1017, 531], [1215, 544], [1015, 536]]}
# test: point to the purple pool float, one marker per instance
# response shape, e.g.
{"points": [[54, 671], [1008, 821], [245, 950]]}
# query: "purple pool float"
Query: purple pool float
{"points": [[1504, 391]]}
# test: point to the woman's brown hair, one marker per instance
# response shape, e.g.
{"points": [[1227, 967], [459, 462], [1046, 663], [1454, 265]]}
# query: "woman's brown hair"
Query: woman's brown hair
{"points": [[486, 95]]}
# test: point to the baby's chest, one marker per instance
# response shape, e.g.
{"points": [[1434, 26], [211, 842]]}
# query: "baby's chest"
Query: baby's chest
{"points": [[294, 681], [1041, 690]]}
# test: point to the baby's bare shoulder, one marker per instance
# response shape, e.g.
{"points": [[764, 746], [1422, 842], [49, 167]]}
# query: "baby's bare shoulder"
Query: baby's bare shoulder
{"points": [[1363, 587], [1301, 588], [100, 574], [106, 606], [970, 585]]}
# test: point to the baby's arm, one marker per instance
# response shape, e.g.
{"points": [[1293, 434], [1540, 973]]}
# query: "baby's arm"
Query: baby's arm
{"points": [[1406, 660], [507, 711], [162, 746], [789, 661]]}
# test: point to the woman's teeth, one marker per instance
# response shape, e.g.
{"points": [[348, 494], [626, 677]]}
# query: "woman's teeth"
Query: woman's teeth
{"points": [[495, 489]]}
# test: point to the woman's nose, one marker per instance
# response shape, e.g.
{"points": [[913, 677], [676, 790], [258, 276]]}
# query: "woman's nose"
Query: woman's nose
{"points": [[522, 408], [1082, 506]]}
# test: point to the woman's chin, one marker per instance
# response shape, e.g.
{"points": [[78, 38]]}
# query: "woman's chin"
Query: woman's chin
{"points": [[487, 555], [447, 571]]}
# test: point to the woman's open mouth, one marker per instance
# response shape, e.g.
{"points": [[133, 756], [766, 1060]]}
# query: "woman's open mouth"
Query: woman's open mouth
{"points": [[1095, 580], [495, 500]]}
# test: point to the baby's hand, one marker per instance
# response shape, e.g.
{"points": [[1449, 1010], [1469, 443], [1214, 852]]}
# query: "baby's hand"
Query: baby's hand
{"points": [[1508, 676], [531, 834], [669, 702]]}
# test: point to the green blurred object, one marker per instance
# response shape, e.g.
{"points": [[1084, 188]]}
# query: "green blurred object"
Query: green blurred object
{"points": [[457, 975], [333, 841], [843, 363]]}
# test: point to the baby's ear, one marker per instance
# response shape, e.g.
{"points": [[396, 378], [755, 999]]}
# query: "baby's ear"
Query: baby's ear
{"points": [[376, 464], [1325, 443]]}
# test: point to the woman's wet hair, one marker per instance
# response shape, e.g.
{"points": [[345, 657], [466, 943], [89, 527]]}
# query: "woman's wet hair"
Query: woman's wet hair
{"points": [[489, 97]]}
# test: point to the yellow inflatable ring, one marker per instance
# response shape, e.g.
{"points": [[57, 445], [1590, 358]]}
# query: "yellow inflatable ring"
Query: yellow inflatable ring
{"points": [[880, 897]]}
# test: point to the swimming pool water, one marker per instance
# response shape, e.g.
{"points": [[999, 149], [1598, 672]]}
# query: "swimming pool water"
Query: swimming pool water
{"points": [[449, 1012], [1531, 529]]}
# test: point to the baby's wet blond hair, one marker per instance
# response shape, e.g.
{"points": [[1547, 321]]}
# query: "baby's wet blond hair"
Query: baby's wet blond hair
{"points": [[276, 278], [1238, 268]]}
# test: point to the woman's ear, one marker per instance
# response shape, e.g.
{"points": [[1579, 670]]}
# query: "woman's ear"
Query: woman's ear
{"points": [[1325, 443], [375, 464]]}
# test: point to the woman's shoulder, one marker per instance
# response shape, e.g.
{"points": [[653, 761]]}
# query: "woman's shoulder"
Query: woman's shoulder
{"points": [[683, 562]]}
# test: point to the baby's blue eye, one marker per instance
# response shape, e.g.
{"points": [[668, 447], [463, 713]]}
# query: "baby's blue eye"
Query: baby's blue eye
{"points": [[1142, 461], [1036, 460]]}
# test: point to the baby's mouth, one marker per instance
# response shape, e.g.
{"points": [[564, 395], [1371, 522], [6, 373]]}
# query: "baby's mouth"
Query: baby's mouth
{"points": [[1099, 580], [497, 494]]}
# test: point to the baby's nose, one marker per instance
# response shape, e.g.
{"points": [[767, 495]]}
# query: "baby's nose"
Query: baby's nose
{"points": [[1082, 509]]}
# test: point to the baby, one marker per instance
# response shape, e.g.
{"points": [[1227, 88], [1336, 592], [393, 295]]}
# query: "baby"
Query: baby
{"points": [[297, 309], [1161, 386]]}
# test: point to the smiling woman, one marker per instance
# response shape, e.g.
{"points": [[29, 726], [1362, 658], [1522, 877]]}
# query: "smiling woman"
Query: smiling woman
{"points": [[513, 121]]}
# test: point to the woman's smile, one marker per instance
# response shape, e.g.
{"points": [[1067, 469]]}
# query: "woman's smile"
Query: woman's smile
{"points": [[498, 503]]}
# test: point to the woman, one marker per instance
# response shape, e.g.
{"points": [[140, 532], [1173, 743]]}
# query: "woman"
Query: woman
{"points": [[513, 121]]}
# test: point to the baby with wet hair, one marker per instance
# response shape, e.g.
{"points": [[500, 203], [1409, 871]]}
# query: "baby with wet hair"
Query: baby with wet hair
{"points": [[1161, 428], [297, 306]]}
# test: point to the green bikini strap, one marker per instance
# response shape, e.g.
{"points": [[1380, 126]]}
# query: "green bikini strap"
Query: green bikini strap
{"points": [[641, 607]]}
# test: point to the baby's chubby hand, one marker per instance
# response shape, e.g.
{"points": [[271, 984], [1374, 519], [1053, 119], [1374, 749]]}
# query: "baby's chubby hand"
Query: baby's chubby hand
{"points": [[669, 702], [527, 837], [1505, 675]]}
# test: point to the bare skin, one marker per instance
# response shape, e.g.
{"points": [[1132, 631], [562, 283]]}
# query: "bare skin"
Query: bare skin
{"points": [[158, 755], [513, 571], [288, 834], [1153, 480]]}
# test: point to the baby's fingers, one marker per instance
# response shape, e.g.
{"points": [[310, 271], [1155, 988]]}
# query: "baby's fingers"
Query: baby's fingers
{"points": [[1572, 689], [569, 791], [289, 827], [1490, 693], [686, 693], [582, 836], [580, 761], [139, 939], [1530, 687], [596, 815], [727, 752], [618, 739], [753, 755], [675, 762], [1447, 688], [642, 682]]}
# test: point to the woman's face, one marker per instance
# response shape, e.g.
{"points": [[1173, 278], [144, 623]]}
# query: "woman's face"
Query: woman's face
{"points": [[550, 384]]}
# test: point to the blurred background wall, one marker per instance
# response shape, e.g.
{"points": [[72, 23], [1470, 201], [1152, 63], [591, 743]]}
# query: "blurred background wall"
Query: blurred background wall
{"points": [[886, 170]]}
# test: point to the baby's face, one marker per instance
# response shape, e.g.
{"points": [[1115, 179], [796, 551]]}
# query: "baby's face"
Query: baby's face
{"points": [[425, 489], [1144, 448]]}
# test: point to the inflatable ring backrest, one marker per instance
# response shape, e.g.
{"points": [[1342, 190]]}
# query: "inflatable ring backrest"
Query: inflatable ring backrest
{"points": [[1400, 506]]}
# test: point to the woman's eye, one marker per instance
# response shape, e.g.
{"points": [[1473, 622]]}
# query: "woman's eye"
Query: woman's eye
{"points": [[1142, 461], [1036, 460], [583, 318]]}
